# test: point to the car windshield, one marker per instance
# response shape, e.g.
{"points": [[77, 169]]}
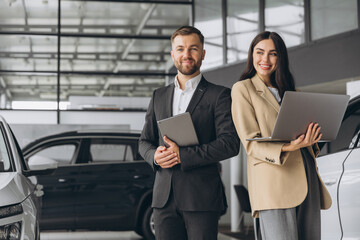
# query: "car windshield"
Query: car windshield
{"points": [[4, 154], [347, 136]]}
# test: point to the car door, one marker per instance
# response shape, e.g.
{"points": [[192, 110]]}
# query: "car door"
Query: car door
{"points": [[112, 184], [58, 202], [349, 192], [339, 167]]}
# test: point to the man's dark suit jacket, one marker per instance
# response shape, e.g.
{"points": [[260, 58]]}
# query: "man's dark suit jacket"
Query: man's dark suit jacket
{"points": [[195, 182]]}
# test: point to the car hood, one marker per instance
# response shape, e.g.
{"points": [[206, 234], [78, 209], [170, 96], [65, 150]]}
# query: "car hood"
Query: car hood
{"points": [[14, 188]]}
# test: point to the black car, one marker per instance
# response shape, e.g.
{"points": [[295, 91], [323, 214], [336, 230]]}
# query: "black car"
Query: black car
{"points": [[101, 182]]}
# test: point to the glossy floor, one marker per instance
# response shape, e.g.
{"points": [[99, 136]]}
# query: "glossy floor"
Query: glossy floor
{"points": [[101, 235]]}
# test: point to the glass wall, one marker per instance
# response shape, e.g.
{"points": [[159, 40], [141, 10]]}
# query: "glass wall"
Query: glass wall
{"points": [[242, 27], [122, 49], [286, 17], [330, 17], [106, 49], [208, 19]]}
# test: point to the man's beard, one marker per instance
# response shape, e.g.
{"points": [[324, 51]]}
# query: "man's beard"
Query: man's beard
{"points": [[185, 70]]}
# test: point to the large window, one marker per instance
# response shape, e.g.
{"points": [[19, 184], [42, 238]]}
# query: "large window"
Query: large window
{"points": [[242, 27], [329, 17], [50, 55], [208, 19], [97, 49], [287, 19]]}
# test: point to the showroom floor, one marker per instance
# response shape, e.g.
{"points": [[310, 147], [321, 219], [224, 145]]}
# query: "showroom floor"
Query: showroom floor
{"points": [[102, 236]]}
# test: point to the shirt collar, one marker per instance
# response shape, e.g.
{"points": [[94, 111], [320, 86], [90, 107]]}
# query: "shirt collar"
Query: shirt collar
{"points": [[191, 83]]}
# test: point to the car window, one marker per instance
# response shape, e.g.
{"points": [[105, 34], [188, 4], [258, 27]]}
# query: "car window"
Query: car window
{"points": [[105, 150], [347, 135], [63, 154], [4, 154]]}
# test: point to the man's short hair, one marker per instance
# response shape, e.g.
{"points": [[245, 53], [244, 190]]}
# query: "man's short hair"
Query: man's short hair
{"points": [[187, 30]]}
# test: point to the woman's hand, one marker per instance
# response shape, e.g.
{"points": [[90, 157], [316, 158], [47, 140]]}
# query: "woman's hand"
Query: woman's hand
{"points": [[311, 137]]}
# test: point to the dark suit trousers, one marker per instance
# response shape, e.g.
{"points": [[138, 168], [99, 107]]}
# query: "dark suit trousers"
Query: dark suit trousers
{"points": [[174, 224]]}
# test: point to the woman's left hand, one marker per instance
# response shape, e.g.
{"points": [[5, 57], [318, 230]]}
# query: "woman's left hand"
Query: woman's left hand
{"points": [[311, 137]]}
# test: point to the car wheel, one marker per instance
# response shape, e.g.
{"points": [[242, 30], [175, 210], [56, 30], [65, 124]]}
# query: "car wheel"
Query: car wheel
{"points": [[148, 226]]}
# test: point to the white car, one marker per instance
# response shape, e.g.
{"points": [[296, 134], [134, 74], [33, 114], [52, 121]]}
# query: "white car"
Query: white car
{"points": [[339, 167], [19, 193]]}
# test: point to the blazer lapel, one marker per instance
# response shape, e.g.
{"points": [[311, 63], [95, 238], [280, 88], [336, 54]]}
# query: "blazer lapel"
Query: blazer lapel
{"points": [[265, 92], [199, 92], [169, 95]]}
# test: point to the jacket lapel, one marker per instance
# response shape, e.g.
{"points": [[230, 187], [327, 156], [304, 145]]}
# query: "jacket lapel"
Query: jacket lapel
{"points": [[199, 92], [265, 92], [169, 95]]}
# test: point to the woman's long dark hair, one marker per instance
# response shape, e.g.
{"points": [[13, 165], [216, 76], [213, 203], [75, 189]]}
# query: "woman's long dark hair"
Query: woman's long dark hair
{"points": [[281, 78]]}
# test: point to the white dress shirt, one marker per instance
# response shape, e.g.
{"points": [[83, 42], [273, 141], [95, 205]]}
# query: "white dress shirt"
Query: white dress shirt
{"points": [[276, 94], [182, 98]]}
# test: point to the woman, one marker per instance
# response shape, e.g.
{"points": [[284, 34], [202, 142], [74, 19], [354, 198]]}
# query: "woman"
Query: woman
{"points": [[286, 192]]}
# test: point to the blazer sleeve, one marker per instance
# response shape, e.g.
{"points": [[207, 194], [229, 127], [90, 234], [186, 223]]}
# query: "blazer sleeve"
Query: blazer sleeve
{"points": [[149, 138], [226, 143], [247, 126]]}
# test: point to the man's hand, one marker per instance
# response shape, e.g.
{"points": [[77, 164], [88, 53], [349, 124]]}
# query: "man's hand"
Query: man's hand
{"points": [[167, 157], [311, 137]]}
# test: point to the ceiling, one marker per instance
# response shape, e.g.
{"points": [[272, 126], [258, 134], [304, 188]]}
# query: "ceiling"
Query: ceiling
{"points": [[107, 48]]}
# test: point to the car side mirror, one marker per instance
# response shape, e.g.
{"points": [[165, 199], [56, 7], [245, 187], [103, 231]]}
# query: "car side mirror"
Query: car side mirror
{"points": [[40, 166]]}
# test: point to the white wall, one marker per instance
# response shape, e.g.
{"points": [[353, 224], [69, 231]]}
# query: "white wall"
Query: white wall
{"points": [[81, 102], [135, 120], [29, 117]]}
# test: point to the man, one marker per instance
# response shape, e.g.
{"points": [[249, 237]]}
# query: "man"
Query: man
{"points": [[188, 193]]}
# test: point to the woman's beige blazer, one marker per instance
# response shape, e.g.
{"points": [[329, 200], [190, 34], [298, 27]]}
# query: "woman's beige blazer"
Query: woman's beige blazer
{"points": [[276, 180]]}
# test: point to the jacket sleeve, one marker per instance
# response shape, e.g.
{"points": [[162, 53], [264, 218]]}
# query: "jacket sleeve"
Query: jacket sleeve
{"points": [[149, 139], [247, 126], [225, 145]]}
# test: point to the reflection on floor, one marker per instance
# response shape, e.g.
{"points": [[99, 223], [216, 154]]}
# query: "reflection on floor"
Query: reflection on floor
{"points": [[102, 236], [89, 236]]}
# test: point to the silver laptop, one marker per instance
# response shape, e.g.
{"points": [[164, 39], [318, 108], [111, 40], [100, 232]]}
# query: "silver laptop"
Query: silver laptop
{"points": [[179, 129], [298, 109]]}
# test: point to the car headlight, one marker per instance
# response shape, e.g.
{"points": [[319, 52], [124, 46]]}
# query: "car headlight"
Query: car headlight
{"points": [[11, 231], [9, 211]]}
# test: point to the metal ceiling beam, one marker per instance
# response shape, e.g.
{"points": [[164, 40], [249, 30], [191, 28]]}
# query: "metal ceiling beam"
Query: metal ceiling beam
{"points": [[84, 53], [85, 59], [89, 35], [149, 73], [5, 87], [26, 24], [82, 10], [139, 1], [97, 26], [140, 27]]}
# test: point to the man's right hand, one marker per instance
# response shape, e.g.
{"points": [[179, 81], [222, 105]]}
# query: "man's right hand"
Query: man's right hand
{"points": [[165, 158]]}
